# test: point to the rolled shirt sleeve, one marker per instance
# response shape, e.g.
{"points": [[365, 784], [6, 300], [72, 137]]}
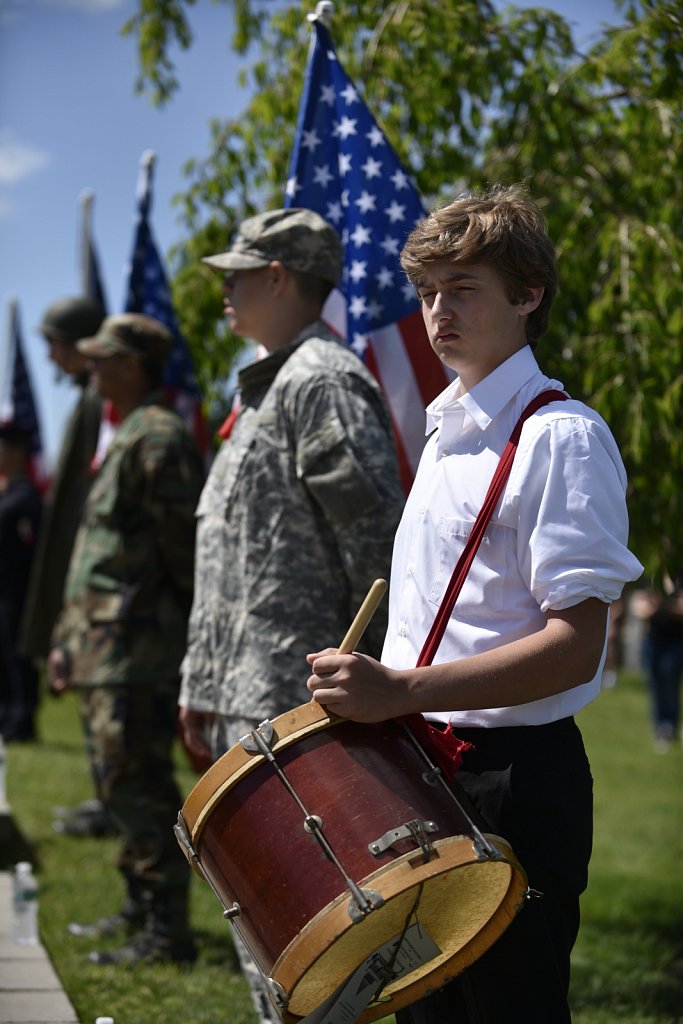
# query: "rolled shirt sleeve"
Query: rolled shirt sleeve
{"points": [[572, 530]]}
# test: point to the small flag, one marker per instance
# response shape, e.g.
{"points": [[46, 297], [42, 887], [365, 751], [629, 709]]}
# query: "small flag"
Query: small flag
{"points": [[344, 168], [148, 292], [17, 404]]}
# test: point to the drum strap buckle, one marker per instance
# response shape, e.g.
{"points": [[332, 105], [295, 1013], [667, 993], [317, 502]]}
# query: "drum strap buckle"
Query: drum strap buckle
{"points": [[416, 830]]}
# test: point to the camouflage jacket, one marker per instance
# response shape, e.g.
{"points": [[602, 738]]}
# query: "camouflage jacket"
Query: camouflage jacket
{"points": [[295, 522], [129, 587]]}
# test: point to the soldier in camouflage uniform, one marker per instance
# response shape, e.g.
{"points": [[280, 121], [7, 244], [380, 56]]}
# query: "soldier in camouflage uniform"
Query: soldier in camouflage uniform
{"points": [[63, 323], [299, 512], [120, 637]]}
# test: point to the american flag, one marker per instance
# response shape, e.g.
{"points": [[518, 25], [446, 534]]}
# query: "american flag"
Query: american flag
{"points": [[17, 404], [148, 292], [343, 167]]}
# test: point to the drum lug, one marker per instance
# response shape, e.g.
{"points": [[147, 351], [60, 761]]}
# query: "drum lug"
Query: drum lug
{"points": [[371, 900], [185, 843], [250, 742], [415, 830], [277, 994], [485, 850]]}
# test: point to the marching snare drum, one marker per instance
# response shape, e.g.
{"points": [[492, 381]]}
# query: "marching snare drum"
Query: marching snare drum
{"points": [[324, 839]]}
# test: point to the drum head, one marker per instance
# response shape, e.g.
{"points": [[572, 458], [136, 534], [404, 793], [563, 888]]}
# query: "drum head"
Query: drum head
{"points": [[463, 904]]}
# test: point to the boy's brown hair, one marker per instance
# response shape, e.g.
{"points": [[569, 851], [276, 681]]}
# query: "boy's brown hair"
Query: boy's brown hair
{"points": [[503, 228]]}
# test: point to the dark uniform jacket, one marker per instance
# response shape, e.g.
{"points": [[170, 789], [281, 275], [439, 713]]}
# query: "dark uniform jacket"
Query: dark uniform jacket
{"points": [[62, 515]]}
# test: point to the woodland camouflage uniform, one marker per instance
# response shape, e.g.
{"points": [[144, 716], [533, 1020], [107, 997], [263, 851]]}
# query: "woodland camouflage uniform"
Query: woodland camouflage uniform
{"points": [[127, 599]]}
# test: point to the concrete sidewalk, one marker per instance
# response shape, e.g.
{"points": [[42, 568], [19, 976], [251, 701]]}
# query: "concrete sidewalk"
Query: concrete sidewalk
{"points": [[30, 991]]}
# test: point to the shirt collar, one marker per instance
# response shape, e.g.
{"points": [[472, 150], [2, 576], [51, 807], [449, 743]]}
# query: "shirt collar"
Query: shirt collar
{"points": [[262, 372], [490, 396]]}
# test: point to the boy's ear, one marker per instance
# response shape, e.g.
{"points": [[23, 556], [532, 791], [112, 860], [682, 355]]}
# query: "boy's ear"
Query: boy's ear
{"points": [[531, 301]]}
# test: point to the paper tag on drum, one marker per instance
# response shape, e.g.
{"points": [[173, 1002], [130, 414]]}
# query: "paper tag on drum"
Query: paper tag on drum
{"points": [[347, 1002]]}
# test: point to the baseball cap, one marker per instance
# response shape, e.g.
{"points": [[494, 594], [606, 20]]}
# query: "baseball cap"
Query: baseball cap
{"points": [[131, 333], [71, 319], [299, 239]]}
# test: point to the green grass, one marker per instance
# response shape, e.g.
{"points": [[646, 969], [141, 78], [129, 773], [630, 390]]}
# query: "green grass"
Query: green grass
{"points": [[628, 963]]}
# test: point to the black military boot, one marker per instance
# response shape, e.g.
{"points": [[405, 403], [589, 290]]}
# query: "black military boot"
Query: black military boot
{"points": [[130, 920], [87, 819], [165, 939]]}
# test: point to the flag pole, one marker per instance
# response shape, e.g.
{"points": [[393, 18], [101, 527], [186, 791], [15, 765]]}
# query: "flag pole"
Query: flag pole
{"points": [[87, 198], [324, 11], [4, 378], [147, 162]]}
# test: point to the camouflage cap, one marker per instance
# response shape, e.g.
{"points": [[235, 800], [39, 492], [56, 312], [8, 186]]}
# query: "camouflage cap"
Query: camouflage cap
{"points": [[300, 239], [131, 333]]}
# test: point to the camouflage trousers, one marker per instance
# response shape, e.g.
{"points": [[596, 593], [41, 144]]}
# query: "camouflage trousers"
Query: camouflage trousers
{"points": [[226, 732], [130, 734]]}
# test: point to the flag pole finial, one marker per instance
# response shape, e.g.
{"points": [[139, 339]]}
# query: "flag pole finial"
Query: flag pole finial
{"points": [[324, 10]]}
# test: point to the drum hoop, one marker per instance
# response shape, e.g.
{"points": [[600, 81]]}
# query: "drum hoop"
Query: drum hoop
{"points": [[319, 934], [236, 763]]}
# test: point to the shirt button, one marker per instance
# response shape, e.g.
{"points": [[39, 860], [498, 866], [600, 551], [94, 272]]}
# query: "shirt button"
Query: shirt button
{"points": [[403, 631], [411, 568], [445, 452]]}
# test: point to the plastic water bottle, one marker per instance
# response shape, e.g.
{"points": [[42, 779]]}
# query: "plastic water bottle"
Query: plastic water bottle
{"points": [[25, 920]]}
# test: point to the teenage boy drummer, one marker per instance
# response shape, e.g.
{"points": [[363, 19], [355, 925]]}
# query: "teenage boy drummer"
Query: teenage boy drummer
{"points": [[524, 647]]}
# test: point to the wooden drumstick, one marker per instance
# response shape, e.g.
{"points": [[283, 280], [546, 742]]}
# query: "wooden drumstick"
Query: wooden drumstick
{"points": [[363, 616]]}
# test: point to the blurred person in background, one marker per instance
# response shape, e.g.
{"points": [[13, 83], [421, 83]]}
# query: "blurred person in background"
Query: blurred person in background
{"points": [[662, 612], [20, 513], [63, 323]]}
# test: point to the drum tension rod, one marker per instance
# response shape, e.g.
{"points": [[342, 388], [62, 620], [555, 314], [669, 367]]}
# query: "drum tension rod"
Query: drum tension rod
{"points": [[482, 847], [183, 837], [362, 901]]}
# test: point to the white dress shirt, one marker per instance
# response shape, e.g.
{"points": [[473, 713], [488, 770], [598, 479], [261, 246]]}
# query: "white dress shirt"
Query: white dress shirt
{"points": [[557, 537]]}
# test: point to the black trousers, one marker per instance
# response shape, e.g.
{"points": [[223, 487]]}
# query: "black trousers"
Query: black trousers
{"points": [[534, 788]]}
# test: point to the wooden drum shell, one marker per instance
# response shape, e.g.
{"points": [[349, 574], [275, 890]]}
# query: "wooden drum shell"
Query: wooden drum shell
{"points": [[362, 781]]}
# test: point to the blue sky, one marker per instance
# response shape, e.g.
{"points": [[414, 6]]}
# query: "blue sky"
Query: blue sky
{"points": [[70, 121]]}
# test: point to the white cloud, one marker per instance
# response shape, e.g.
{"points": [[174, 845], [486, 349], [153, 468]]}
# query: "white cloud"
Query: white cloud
{"points": [[92, 6], [12, 10], [18, 159]]}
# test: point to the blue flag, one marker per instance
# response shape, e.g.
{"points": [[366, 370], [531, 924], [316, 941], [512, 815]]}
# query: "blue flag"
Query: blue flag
{"points": [[17, 403], [148, 292], [344, 168]]}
